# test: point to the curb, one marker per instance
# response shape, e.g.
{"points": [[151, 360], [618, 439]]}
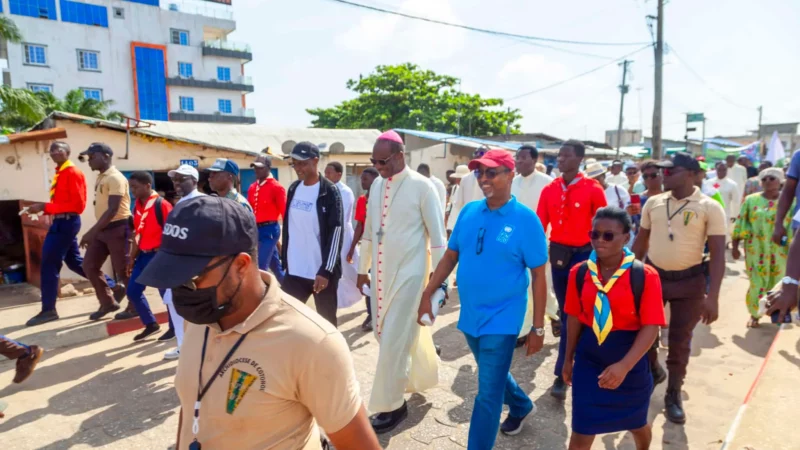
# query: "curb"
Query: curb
{"points": [[116, 327]]}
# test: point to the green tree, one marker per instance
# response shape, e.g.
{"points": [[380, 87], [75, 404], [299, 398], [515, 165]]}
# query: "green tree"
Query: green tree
{"points": [[405, 96], [9, 30], [75, 102], [20, 108]]}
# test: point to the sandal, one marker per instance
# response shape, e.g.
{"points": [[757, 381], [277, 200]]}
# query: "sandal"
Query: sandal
{"points": [[753, 323]]}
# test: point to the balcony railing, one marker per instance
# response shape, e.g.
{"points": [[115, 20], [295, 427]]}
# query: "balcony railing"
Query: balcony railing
{"points": [[240, 83], [242, 116], [207, 9], [227, 45]]}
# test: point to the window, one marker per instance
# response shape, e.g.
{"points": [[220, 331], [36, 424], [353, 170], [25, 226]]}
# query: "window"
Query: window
{"points": [[224, 73], [92, 93], [187, 103], [185, 69], [179, 37], [119, 13], [84, 13], [89, 60], [42, 9], [225, 106], [146, 2], [38, 87], [35, 54]]}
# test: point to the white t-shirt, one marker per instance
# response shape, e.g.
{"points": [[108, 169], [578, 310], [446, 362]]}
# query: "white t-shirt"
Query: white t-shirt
{"points": [[304, 255], [617, 194]]}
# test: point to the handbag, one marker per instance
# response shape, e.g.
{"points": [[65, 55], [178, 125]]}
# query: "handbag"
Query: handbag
{"points": [[561, 255]]}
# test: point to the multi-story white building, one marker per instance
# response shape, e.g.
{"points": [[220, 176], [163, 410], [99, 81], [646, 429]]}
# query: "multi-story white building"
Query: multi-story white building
{"points": [[156, 61]]}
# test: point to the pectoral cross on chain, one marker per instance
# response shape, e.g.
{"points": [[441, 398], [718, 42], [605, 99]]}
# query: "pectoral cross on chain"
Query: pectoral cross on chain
{"points": [[380, 235]]}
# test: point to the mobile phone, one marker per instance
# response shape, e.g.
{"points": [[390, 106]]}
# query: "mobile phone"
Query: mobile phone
{"points": [[636, 198]]}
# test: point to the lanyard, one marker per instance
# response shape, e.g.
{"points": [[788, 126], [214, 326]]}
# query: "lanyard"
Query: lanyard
{"points": [[670, 216], [201, 392]]}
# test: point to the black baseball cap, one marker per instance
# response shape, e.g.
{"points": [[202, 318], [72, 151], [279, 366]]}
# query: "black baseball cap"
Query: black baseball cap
{"points": [[97, 147], [304, 150], [197, 231], [681, 159], [616, 162]]}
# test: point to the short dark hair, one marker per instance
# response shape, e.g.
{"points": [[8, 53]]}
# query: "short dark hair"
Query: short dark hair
{"points": [[337, 166], [615, 213], [423, 166], [142, 177], [580, 149], [372, 171], [531, 148], [62, 145], [449, 172], [649, 164]]}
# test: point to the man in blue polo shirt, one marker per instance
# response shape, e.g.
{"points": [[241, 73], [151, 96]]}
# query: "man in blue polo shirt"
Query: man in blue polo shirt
{"points": [[506, 237]]}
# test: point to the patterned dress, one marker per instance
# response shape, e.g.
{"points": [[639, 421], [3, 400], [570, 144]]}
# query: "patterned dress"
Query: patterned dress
{"points": [[764, 260]]}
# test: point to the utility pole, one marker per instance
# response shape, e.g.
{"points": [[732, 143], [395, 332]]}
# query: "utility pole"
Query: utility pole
{"points": [[760, 113], [659, 79], [623, 89], [508, 125]]}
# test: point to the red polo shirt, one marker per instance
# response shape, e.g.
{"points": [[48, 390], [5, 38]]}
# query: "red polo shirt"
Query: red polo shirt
{"points": [[268, 200], [361, 209], [150, 235], [70, 192], [623, 308], [569, 210]]}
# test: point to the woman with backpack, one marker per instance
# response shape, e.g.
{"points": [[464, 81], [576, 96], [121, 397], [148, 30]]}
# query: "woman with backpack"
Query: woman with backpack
{"points": [[615, 308]]}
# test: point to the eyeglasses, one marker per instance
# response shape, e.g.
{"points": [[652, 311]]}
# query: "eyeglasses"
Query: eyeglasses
{"points": [[479, 248], [191, 284], [490, 173], [769, 178], [380, 162], [607, 236], [650, 176]]}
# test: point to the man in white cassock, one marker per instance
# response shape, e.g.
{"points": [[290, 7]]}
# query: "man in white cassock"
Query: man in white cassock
{"points": [[347, 293], [527, 187], [729, 190], [403, 242]]}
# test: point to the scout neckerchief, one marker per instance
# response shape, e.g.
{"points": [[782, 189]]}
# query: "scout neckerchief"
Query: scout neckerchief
{"points": [[67, 164], [603, 321], [147, 207]]}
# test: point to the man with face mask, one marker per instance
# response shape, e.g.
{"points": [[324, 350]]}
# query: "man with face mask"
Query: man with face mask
{"points": [[255, 359]]}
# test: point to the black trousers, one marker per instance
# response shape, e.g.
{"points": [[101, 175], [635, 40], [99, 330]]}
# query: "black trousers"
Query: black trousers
{"points": [[326, 301]]}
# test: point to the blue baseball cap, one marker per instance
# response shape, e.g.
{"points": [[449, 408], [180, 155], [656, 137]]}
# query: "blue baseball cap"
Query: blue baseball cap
{"points": [[225, 165]]}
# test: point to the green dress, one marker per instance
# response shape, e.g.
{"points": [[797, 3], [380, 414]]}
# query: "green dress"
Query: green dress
{"points": [[764, 260]]}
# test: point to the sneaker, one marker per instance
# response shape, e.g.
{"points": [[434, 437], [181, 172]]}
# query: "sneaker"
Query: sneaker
{"points": [[27, 363], [148, 330], [559, 389], [42, 317], [513, 425], [125, 315], [172, 355], [168, 336], [100, 313]]}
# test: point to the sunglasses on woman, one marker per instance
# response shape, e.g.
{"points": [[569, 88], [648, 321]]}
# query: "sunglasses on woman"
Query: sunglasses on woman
{"points": [[607, 236], [650, 176], [490, 173]]}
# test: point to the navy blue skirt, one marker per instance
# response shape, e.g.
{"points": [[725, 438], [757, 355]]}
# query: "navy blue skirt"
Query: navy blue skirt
{"points": [[596, 410]]}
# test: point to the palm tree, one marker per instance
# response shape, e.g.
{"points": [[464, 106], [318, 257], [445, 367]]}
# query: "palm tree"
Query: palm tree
{"points": [[20, 108], [9, 30], [75, 102]]}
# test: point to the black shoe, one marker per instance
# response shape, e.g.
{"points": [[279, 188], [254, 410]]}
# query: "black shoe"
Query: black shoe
{"points": [[559, 389], [119, 292], [673, 406], [513, 425], [148, 330], [521, 341], [42, 317], [555, 327], [438, 350], [367, 325], [388, 421], [125, 315], [100, 313], [659, 374], [168, 336]]}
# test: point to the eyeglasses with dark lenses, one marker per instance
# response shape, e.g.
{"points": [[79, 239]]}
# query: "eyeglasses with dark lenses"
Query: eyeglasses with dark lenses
{"points": [[606, 235], [380, 162], [479, 247], [490, 173], [191, 285], [650, 176], [769, 179]]}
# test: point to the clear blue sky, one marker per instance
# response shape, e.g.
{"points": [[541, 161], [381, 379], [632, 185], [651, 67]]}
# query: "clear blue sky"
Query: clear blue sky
{"points": [[745, 51]]}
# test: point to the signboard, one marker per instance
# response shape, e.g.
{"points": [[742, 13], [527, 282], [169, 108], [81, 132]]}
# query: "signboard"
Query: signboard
{"points": [[190, 162], [695, 117]]}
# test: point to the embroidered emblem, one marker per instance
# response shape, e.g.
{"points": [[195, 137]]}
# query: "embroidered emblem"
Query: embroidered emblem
{"points": [[505, 234], [237, 388], [687, 217]]}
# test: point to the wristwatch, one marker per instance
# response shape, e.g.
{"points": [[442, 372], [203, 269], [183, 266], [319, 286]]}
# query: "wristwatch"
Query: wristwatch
{"points": [[537, 331], [790, 280]]}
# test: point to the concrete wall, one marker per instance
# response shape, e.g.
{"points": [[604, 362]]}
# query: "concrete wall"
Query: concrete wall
{"points": [[142, 23], [440, 157]]}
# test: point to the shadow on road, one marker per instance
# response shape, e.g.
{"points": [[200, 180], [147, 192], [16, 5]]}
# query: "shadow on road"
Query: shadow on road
{"points": [[756, 341]]}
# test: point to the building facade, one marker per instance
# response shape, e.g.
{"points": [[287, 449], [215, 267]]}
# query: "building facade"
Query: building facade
{"points": [[156, 60]]}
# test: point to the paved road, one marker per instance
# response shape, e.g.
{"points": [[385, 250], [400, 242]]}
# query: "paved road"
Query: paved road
{"points": [[115, 394]]}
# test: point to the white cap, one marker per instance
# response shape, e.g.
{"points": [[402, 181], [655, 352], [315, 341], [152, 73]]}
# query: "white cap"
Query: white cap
{"points": [[461, 171], [187, 170]]}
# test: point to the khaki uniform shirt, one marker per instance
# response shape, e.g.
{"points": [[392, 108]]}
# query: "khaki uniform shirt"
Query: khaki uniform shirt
{"points": [[112, 182], [701, 217], [292, 371]]}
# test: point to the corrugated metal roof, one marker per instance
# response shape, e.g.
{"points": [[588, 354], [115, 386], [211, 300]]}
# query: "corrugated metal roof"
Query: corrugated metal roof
{"points": [[251, 139], [467, 141]]}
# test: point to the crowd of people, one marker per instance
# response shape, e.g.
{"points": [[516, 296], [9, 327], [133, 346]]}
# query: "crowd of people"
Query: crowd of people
{"points": [[596, 252]]}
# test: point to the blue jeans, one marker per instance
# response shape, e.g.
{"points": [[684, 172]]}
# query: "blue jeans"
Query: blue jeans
{"points": [[136, 291], [496, 387], [61, 246], [560, 281], [268, 258]]}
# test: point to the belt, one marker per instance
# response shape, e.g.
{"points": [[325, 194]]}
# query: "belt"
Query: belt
{"points": [[678, 275], [269, 222], [148, 251], [116, 224], [65, 215]]}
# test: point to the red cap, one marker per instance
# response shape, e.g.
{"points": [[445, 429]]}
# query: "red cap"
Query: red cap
{"points": [[494, 158]]}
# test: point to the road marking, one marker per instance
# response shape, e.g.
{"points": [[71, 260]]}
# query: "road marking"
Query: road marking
{"points": [[740, 414]]}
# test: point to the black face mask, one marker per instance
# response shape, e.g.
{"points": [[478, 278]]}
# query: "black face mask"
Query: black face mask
{"points": [[201, 306]]}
